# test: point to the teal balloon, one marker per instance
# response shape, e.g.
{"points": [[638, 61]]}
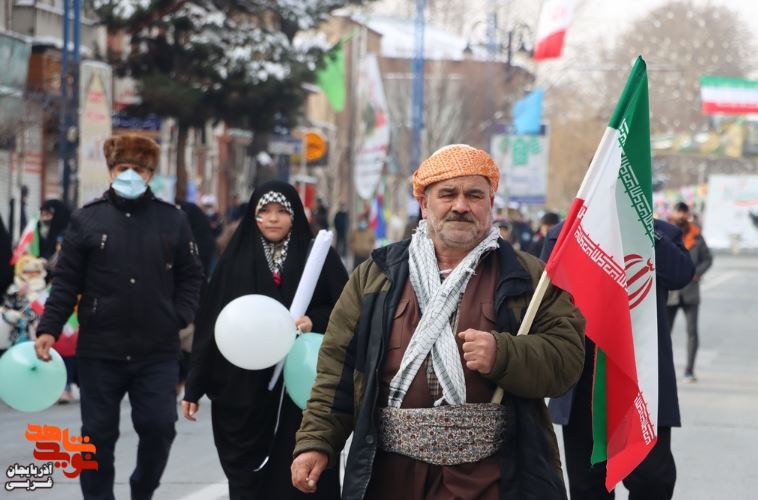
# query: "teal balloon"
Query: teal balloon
{"points": [[300, 367], [27, 383]]}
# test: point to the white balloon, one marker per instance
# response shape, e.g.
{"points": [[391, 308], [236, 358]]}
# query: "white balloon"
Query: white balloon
{"points": [[254, 332]]}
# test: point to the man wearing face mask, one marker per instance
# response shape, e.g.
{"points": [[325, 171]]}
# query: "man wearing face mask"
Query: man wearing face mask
{"points": [[132, 259]]}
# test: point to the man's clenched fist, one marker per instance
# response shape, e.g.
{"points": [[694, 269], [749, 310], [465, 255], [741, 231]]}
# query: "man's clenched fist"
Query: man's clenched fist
{"points": [[478, 350]]}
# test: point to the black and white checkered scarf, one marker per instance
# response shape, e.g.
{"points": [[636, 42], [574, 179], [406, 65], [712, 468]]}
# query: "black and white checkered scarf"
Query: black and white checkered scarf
{"points": [[434, 333], [276, 252]]}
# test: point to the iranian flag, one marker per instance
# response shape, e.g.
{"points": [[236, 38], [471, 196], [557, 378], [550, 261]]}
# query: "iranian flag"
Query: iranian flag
{"points": [[605, 257], [71, 325], [38, 302], [555, 18], [728, 96], [28, 244]]}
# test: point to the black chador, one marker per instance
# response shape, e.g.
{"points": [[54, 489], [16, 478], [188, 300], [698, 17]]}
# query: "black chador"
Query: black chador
{"points": [[254, 427]]}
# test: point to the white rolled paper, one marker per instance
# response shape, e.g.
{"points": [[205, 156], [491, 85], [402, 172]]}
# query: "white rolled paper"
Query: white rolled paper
{"points": [[307, 286], [312, 271]]}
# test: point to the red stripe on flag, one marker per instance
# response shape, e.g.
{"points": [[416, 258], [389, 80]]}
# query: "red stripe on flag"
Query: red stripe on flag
{"points": [[599, 296], [550, 47], [630, 432], [23, 246], [715, 108], [38, 307], [602, 301]]}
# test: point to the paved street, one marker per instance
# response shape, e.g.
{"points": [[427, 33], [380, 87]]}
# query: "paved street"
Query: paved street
{"points": [[713, 449]]}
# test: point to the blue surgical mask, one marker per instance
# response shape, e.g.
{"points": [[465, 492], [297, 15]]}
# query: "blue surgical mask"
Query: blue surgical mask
{"points": [[129, 185]]}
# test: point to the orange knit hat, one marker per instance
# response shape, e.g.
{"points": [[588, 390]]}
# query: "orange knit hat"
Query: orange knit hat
{"points": [[455, 160]]}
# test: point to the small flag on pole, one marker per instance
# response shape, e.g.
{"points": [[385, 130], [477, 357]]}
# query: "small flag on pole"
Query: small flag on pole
{"points": [[71, 325], [728, 96], [38, 303], [554, 21], [28, 244]]}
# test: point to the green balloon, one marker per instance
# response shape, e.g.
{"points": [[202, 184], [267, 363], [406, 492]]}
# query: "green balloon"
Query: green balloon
{"points": [[300, 367], [27, 383]]}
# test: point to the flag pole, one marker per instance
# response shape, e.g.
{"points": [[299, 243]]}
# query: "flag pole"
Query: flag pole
{"points": [[526, 323]]}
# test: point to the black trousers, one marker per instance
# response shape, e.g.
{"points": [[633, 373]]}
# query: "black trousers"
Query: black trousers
{"points": [[244, 439], [690, 317], [653, 479], [151, 386]]}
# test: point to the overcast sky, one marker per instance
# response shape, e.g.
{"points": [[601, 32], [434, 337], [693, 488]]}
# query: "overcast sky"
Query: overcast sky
{"points": [[592, 17], [620, 10]]}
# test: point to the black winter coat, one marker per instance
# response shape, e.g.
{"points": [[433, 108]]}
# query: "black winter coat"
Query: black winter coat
{"points": [[135, 265]]}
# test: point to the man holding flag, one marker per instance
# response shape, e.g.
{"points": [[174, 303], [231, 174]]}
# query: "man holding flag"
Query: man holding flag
{"points": [[421, 363], [610, 256]]}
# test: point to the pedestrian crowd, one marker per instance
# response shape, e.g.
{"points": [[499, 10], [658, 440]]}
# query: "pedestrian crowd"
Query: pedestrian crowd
{"points": [[420, 361]]}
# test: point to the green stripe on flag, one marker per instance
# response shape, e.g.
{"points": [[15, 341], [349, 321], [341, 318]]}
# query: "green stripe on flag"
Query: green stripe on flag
{"points": [[34, 245], [725, 81], [632, 121], [73, 322], [599, 410]]}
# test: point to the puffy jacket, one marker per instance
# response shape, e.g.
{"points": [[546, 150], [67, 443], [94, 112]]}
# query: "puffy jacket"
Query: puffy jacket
{"points": [[544, 363], [135, 264]]}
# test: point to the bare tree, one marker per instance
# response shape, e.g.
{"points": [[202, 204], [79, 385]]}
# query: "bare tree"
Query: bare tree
{"points": [[680, 41]]}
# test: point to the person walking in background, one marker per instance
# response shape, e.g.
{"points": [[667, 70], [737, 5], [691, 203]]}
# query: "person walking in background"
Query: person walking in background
{"points": [[655, 477], [132, 259], [341, 226], [233, 213], [547, 221], [23, 204], [226, 235], [53, 220], [319, 216], [361, 242], [254, 427], [520, 230], [6, 253], [208, 203], [688, 298]]}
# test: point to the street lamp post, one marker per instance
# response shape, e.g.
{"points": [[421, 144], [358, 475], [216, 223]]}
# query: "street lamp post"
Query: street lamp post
{"points": [[417, 98], [68, 134]]}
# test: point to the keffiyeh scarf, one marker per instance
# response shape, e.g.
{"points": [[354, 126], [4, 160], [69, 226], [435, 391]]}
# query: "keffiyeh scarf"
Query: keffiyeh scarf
{"points": [[438, 301]]}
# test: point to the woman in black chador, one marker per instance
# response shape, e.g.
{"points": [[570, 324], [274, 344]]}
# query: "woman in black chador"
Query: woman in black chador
{"points": [[254, 427], [53, 220]]}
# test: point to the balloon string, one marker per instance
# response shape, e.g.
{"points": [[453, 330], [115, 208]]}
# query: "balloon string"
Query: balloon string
{"points": [[276, 428], [278, 368]]}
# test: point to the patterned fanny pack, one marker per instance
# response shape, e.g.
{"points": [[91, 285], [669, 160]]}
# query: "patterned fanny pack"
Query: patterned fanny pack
{"points": [[444, 435]]}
